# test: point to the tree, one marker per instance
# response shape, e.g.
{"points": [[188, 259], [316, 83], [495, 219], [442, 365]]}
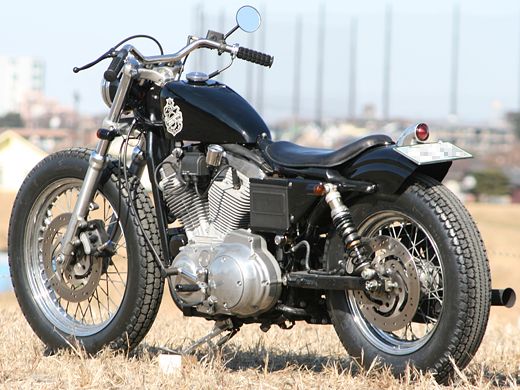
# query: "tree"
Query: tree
{"points": [[491, 182], [11, 119]]}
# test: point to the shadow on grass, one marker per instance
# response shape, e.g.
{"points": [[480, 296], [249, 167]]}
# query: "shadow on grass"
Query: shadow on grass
{"points": [[235, 359], [276, 361], [495, 377]]}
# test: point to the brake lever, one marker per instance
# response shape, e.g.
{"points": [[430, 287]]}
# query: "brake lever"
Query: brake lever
{"points": [[109, 54]]}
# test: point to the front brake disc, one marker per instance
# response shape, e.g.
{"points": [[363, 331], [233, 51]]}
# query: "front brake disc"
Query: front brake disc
{"points": [[81, 278], [391, 310]]}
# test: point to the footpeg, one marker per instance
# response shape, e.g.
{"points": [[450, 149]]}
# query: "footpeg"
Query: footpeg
{"points": [[187, 287]]}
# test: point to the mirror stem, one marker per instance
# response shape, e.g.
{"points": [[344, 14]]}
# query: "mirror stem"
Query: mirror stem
{"points": [[231, 32]]}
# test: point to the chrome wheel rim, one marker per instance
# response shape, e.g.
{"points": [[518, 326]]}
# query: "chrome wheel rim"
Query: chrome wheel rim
{"points": [[95, 312], [426, 255]]}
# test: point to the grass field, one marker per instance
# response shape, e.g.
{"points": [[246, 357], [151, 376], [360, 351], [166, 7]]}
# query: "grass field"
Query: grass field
{"points": [[304, 357]]}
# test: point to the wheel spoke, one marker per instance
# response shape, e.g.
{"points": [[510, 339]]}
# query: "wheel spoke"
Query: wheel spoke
{"points": [[429, 272], [53, 290]]}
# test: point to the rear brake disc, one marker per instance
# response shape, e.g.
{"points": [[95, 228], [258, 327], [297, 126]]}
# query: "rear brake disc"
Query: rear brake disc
{"points": [[391, 310]]}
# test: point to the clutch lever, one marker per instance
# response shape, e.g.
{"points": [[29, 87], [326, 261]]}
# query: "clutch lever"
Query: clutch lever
{"points": [[109, 54]]}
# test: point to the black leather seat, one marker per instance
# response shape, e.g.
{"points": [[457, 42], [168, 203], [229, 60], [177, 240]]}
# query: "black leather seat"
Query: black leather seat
{"points": [[292, 155]]}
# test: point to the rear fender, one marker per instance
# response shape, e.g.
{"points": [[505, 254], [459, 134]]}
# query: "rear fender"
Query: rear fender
{"points": [[389, 170]]}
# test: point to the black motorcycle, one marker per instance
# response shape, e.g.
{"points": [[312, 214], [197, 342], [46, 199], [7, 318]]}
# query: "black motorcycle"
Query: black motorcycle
{"points": [[244, 229]]}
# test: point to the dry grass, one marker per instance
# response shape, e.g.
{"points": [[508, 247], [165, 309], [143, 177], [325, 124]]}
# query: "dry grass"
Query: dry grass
{"points": [[305, 357]]}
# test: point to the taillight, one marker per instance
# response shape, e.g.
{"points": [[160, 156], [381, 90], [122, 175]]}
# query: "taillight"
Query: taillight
{"points": [[422, 132]]}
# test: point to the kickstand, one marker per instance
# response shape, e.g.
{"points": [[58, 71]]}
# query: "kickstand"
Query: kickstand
{"points": [[219, 328]]}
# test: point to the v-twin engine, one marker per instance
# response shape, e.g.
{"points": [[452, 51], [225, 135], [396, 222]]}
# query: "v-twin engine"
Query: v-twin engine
{"points": [[224, 269], [226, 207], [238, 276]]}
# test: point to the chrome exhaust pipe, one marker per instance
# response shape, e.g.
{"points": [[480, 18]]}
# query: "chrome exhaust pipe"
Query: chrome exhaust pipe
{"points": [[503, 297]]}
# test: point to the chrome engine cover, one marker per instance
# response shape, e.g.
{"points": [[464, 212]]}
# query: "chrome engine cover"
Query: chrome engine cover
{"points": [[237, 276]]}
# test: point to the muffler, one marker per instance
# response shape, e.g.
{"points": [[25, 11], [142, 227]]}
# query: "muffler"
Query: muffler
{"points": [[503, 297]]}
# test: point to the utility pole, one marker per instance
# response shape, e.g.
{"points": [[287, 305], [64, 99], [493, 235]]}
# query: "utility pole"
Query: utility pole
{"points": [[79, 135], [260, 83], [222, 29], [200, 23], [353, 69], [297, 69], [249, 71], [321, 55], [386, 62], [455, 40]]}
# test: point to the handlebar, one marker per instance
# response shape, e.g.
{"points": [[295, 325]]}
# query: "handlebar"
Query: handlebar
{"points": [[255, 57], [240, 52], [199, 43], [118, 61]]}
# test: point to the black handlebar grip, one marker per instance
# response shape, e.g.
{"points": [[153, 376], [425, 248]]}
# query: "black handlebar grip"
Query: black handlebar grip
{"points": [[255, 57], [115, 66]]}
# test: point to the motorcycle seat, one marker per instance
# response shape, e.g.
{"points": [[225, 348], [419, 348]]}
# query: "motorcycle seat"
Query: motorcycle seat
{"points": [[291, 155]]}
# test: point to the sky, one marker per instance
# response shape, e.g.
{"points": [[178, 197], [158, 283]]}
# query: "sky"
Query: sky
{"points": [[66, 34]]}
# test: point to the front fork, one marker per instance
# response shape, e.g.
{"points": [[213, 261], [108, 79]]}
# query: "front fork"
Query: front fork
{"points": [[79, 214], [78, 219]]}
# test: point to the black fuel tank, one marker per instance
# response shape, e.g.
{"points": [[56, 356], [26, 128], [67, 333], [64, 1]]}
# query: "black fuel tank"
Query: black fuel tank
{"points": [[211, 113]]}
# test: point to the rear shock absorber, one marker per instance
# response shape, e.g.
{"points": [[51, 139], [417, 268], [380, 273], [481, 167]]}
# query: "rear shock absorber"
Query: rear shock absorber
{"points": [[346, 228]]}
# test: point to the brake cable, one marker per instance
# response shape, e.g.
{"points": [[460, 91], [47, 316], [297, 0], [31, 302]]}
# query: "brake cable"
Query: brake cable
{"points": [[112, 52]]}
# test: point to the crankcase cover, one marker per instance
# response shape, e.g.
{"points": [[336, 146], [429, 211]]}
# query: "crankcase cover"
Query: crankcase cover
{"points": [[244, 278], [192, 260]]}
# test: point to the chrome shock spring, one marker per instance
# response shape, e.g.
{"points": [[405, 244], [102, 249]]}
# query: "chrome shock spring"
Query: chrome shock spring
{"points": [[346, 228]]}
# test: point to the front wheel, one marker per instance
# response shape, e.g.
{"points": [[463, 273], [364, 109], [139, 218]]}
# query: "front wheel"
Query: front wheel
{"points": [[436, 307], [101, 298]]}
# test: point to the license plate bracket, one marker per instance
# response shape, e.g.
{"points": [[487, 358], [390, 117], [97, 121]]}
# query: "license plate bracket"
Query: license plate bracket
{"points": [[432, 153]]}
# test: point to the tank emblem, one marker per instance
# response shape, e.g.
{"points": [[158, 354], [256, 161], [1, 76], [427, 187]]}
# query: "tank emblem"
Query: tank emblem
{"points": [[172, 117]]}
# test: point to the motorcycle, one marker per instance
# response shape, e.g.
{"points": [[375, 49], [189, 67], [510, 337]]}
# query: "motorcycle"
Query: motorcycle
{"points": [[245, 229]]}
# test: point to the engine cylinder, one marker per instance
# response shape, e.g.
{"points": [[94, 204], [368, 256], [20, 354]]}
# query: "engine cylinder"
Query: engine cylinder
{"points": [[229, 206], [184, 203]]}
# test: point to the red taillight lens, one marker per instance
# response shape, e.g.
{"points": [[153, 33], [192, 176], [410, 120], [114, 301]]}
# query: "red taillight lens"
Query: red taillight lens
{"points": [[422, 132]]}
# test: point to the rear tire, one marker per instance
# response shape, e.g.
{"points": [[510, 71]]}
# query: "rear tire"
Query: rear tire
{"points": [[134, 285], [466, 286]]}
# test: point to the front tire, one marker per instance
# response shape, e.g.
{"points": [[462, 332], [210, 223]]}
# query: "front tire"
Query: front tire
{"points": [[100, 301], [454, 278]]}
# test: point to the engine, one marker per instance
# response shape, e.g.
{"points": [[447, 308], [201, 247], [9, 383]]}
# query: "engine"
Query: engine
{"points": [[223, 269]]}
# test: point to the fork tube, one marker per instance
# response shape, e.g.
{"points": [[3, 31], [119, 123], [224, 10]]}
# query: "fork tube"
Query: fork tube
{"points": [[96, 165], [88, 189]]}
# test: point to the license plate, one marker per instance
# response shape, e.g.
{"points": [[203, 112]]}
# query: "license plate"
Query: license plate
{"points": [[423, 154]]}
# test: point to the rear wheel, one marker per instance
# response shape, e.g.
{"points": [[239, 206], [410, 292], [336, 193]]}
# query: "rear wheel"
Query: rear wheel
{"points": [[438, 305], [99, 299]]}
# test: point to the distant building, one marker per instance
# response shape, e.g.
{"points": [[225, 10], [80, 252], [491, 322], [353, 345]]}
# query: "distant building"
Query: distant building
{"points": [[19, 76], [17, 157], [476, 139]]}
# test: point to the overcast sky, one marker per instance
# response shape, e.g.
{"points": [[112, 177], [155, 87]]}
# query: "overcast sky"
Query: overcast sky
{"points": [[70, 33]]}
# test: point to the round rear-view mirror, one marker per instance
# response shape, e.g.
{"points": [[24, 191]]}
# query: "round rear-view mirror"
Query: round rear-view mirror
{"points": [[248, 18]]}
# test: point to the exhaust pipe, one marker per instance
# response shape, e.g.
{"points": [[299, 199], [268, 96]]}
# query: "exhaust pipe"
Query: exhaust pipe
{"points": [[503, 297]]}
